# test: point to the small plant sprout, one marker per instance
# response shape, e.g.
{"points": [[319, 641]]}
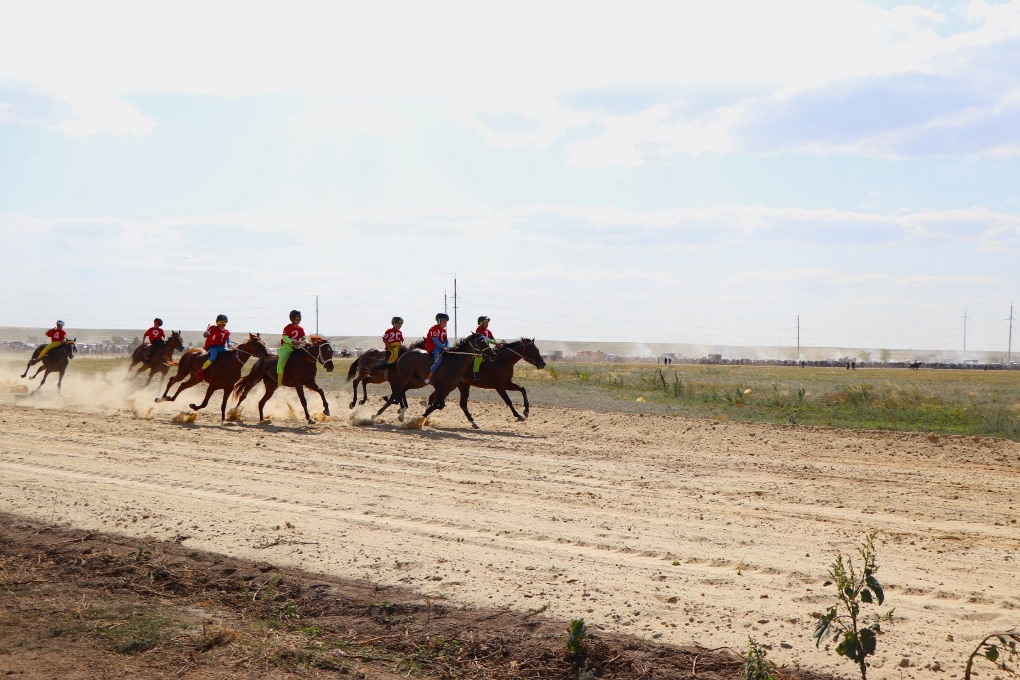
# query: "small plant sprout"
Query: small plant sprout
{"points": [[756, 666], [843, 621], [997, 648], [577, 635]]}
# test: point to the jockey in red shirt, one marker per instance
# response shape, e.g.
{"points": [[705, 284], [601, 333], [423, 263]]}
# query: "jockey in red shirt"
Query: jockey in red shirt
{"points": [[156, 338], [57, 336], [293, 336], [436, 342], [393, 338], [483, 329], [216, 338]]}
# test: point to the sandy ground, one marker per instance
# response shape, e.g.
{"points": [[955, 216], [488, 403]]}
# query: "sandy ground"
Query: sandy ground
{"points": [[684, 531]]}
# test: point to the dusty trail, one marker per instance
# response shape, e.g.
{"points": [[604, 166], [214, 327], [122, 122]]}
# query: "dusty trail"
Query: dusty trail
{"points": [[673, 529]]}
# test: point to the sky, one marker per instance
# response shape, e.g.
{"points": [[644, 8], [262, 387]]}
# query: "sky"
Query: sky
{"points": [[833, 172]]}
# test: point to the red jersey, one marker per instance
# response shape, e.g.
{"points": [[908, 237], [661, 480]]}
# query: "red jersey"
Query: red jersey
{"points": [[484, 331], [392, 335], [216, 336], [56, 334], [155, 333], [436, 337], [293, 331]]}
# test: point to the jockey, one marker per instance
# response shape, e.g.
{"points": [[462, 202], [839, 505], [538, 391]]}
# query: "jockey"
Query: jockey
{"points": [[293, 336], [437, 342], [483, 329], [156, 338], [216, 339], [393, 339], [57, 336]]}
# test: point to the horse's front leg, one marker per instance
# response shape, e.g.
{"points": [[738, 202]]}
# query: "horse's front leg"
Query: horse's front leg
{"points": [[364, 391], [514, 387], [465, 390], [223, 406], [322, 393], [506, 398], [36, 374], [205, 402], [60, 379], [304, 402]]}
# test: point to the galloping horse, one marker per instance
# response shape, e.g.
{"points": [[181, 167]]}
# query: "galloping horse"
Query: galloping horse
{"points": [[55, 360], [363, 371], [222, 375], [298, 373], [412, 368], [498, 375], [161, 361]]}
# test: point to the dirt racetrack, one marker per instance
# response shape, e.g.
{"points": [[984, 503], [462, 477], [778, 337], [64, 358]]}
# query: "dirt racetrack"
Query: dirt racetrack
{"points": [[676, 530]]}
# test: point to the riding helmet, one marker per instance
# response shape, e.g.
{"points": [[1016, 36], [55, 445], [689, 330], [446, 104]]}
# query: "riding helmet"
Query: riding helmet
{"points": [[294, 313], [440, 316], [157, 322], [59, 322], [483, 319], [395, 320], [221, 317]]}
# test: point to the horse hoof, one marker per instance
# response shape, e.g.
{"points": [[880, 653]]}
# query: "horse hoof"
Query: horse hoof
{"points": [[520, 419], [325, 411], [194, 407], [474, 425], [159, 399]]}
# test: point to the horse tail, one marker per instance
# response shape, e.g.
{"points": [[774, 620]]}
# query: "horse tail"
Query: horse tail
{"points": [[353, 371], [245, 383]]}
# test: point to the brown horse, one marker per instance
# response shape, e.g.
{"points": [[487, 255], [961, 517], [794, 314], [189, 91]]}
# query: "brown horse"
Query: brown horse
{"points": [[498, 375], [298, 373], [412, 368], [369, 369], [56, 360], [222, 375], [162, 358]]}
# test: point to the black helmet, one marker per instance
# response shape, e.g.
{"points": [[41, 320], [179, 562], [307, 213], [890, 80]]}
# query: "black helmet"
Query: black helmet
{"points": [[395, 320], [440, 316], [294, 313], [221, 317], [157, 321], [483, 319]]}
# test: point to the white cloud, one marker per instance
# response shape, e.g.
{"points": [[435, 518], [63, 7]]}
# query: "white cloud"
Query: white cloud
{"points": [[350, 118]]}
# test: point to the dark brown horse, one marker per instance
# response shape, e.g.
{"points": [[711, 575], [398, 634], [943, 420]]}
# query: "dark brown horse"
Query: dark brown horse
{"points": [[55, 361], [162, 359], [498, 375], [412, 368], [371, 367], [298, 373], [221, 375]]}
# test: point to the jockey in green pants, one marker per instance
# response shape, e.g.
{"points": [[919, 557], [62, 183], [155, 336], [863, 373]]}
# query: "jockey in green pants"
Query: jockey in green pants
{"points": [[293, 336], [483, 329]]}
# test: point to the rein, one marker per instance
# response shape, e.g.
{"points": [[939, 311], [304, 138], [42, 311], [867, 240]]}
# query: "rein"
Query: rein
{"points": [[317, 357]]}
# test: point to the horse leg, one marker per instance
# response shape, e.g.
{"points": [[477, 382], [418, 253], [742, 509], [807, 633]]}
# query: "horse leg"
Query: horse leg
{"points": [[514, 387], [270, 385], [205, 402], [506, 398], [45, 375], [36, 374], [465, 389], [28, 366], [364, 391], [304, 402], [60, 379], [322, 393], [223, 406], [355, 399]]}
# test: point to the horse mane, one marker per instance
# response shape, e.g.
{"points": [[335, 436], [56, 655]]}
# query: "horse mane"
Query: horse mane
{"points": [[465, 344], [317, 339], [418, 344]]}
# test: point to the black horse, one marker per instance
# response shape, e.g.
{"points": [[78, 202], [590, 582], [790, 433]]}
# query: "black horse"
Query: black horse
{"points": [[498, 375], [56, 360]]}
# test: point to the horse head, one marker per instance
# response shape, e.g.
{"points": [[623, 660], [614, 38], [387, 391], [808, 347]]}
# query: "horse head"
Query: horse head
{"points": [[176, 340], [254, 345], [323, 351], [72, 348], [479, 343], [531, 354]]}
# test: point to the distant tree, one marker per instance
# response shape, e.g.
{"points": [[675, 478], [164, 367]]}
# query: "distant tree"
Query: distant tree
{"points": [[884, 355], [864, 356]]}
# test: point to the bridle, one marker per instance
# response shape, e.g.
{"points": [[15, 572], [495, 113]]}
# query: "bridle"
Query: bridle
{"points": [[317, 357]]}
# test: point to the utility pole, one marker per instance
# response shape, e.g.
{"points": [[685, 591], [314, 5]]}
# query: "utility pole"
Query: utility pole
{"points": [[455, 309], [1009, 350], [316, 314], [965, 335], [798, 337]]}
